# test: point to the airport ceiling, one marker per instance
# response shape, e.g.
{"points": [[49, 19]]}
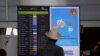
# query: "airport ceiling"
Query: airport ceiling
{"points": [[89, 9]]}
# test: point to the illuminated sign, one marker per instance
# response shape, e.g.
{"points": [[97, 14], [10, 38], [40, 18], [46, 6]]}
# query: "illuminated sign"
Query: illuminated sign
{"points": [[69, 31]]}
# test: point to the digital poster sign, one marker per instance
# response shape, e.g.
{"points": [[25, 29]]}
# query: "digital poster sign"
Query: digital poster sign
{"points": [[69, 40]]}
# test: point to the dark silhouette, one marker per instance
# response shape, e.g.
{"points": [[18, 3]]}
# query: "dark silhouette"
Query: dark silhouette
{"points": [[51, 49], [3, 52]]}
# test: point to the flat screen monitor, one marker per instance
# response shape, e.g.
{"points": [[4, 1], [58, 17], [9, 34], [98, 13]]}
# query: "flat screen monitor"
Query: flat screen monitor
{"points": [[33, 22], [69, 31]]}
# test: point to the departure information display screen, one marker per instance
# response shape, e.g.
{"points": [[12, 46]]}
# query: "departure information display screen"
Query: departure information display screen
{"points": [[33, 22]]}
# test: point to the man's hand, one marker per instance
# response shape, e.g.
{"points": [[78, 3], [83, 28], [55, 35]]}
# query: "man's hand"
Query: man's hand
{"points": [[56, 26]]}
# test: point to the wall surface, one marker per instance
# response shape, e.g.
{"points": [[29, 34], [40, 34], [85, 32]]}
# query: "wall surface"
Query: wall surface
{"points": [[90, 23], [11, 47], [8, 24], [44, 2], [89, 9]]}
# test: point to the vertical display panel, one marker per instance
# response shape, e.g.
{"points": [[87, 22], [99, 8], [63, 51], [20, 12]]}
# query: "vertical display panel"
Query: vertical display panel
{"points": [[33, 22], [69, 40]]}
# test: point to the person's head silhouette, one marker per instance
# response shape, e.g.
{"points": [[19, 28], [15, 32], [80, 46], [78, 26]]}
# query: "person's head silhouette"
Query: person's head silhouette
{"points": [[3, 52], [53, 34]]}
